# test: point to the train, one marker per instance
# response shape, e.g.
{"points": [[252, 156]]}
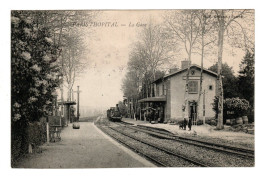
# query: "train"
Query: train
{"points": [[114, 114]]}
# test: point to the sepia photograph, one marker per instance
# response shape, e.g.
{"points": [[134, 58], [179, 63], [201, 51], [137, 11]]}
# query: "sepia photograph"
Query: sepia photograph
{"points": [[171, 88]]}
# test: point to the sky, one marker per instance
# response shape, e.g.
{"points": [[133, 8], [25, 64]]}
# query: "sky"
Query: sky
{"points": [[108, 52]]}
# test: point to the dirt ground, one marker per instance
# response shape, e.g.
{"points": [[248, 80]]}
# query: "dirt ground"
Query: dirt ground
{"points": [[87, 147]]}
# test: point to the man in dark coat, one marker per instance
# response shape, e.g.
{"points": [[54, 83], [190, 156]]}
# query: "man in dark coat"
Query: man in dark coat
{"points": [[184, 123], [189, 124]]}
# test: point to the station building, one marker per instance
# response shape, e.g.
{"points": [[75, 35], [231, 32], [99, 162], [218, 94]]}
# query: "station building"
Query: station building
{"points": [[170, 90]]}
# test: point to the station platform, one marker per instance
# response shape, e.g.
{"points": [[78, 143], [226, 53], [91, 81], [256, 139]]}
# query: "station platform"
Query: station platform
{"points": [[87, 147]]}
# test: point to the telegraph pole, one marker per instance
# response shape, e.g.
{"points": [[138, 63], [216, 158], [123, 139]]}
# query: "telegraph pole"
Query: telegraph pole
{"points": [[204, 119], [78, 91], [78, 103]]}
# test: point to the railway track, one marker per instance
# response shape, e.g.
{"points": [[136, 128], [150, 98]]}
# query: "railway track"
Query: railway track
{"points": [[157, 160], [146, 129], [163, 134]]}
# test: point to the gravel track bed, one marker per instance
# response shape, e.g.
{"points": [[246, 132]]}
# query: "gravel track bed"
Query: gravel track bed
{"points": [[169, 160], [213, 140], [222, 141], [166, 134], [210, 157], [197, 141]]}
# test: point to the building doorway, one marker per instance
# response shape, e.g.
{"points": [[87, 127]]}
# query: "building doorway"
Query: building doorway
{"points": [[193, 112]]}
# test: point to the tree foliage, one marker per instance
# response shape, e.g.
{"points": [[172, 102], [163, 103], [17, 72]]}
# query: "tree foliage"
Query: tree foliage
{"points": [[246, 77], [130, 85], [233, 107], [34, 68], [34, 73], [151, 53], [230, 85], [122, 108], [183, 27], [67, 34]]}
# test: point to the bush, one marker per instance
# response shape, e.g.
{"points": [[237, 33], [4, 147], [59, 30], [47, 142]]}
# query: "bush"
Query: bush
{"points": [[37, 133], [238, 106], [251, 116], [211, 122], [34, 133], [232, 107], [16, 148]]}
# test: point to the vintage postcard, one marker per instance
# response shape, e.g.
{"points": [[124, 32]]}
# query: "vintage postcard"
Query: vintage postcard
{"points": [[132, 88]]}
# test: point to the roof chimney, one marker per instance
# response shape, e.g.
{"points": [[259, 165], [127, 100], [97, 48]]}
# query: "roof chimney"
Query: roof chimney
{"points": [[185, 64]]}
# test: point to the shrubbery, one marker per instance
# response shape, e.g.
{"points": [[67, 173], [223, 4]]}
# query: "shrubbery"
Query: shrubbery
{"points": [[35, 134], [211, 122], [238, 106], [233, 107]]}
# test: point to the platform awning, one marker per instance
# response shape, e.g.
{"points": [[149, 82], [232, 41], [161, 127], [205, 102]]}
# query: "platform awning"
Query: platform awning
{"points": [[67, 103], [153, 99]]}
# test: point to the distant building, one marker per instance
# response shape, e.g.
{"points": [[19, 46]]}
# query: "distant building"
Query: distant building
{"points": [[169, 93]]}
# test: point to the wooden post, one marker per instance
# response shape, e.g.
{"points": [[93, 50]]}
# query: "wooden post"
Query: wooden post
{"points": [[62, 101], [140, 112], [72, 95], [204, 118], [78, 105], [78, 102]]}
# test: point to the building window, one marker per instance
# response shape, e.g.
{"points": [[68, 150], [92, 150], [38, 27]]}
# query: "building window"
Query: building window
{"points": [[210, 87], [193, 86]]}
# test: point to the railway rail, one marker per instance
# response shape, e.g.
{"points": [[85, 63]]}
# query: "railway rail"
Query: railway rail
{"points": [[153, 131], [155, 161], [163, 134], [155, 147]]}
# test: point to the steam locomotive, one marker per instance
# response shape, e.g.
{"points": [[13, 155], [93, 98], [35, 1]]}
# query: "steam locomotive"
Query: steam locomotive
{"points": [[114, 114]]}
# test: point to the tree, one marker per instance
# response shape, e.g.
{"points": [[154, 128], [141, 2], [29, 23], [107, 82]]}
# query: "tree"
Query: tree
{"points": [[65, 27], [157, 48], [230, 81], [73, 58], [184, 27], [61, 21], [206, 39], [148, 55], [122, 108], [246, 79], [34, 74], [225, 19], [138, 64], [130, 85]]}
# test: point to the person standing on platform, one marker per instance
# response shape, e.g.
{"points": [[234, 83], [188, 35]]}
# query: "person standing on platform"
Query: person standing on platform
{"points": [[189, 124], [184, 123]]}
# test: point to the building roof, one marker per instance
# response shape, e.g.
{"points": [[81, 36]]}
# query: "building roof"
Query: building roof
{"points": [[182, 70], [153, 99]]}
